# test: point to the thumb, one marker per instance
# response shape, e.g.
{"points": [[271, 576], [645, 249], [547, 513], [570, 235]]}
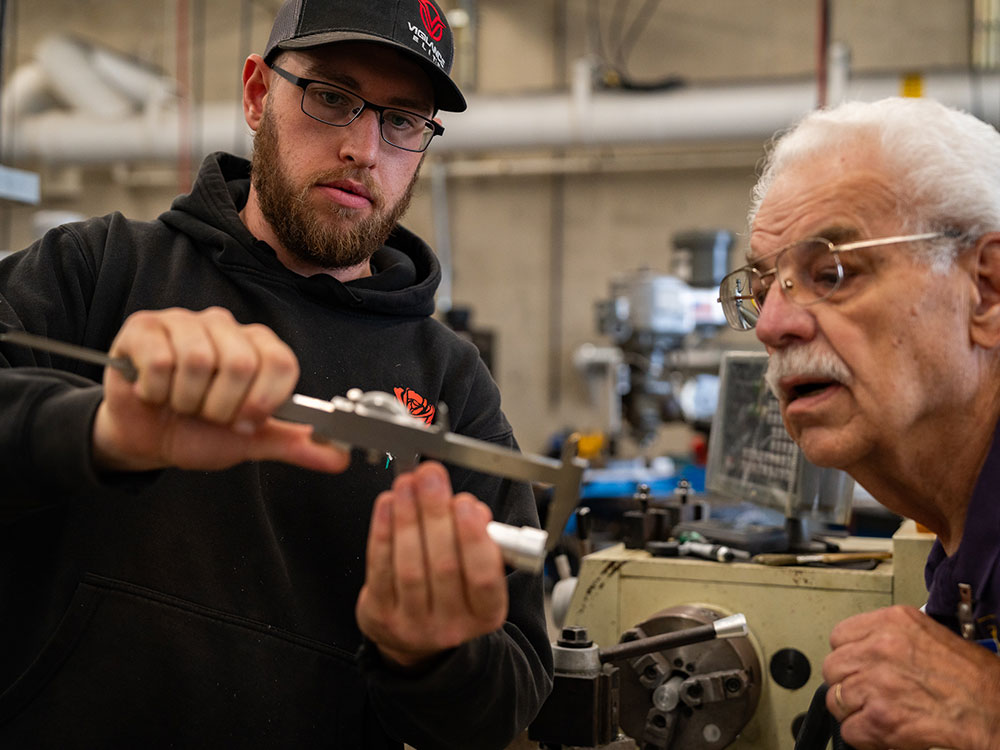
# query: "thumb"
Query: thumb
{"points": [[277, 440]]}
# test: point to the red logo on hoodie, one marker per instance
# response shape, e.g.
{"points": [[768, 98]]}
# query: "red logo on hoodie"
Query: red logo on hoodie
{"points": [[416, 404], [431, 17]]}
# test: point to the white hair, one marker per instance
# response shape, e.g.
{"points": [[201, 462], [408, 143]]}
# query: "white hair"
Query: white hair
{"points": [[945, 163]]}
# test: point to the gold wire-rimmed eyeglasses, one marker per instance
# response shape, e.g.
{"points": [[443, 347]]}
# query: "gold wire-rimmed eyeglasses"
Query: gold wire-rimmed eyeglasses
{"points": [[808, 271]]}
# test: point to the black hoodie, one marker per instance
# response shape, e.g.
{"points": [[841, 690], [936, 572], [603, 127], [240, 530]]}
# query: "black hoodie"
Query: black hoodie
{"points": [[216, 609]]}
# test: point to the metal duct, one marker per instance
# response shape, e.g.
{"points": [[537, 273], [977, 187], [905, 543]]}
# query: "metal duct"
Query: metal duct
{"points": [[26, 93], [66, 138], [578, 118], [695, 114], [76, 81]]}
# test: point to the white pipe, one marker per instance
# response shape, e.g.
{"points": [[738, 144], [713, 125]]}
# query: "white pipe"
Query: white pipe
{"points": [[143, 84], [60, 138], [72, 75], [678, 116], [26, 93], [838, 73], [695, 114], [442, 233]]}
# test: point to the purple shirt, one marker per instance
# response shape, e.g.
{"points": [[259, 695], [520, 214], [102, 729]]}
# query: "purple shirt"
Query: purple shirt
{"points": [[977, 560]]}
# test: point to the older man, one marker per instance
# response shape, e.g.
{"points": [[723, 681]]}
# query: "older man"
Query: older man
{"points": [[180, 569], [874, 282]]}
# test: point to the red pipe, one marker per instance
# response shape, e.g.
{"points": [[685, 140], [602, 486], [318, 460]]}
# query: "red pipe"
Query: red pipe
{"points": [[822, 51]]}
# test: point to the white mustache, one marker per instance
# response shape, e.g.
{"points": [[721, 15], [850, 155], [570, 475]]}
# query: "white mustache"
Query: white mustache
{"points": [[807, 360]]}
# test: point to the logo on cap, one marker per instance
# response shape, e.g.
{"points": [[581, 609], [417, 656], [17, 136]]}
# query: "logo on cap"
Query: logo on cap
{"points": [[432, 20]]}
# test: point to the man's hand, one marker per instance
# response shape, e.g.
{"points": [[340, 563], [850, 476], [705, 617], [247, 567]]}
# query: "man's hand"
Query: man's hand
{"points": [[206, 388], [900, 680], [434, 577]]}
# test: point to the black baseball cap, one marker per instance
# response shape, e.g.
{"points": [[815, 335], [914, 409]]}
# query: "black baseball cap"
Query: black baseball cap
{"points": [[417, 27]]}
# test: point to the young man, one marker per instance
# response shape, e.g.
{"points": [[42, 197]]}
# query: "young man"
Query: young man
{"points": [[874, 282], [181, 569]]}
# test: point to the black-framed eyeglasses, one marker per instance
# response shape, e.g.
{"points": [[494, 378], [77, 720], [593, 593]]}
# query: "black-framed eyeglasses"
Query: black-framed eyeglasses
{"points": [[333, 105], [808, 271]]}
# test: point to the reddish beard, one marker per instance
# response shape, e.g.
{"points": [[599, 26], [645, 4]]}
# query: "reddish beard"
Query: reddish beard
{"points": [[332, 237]]}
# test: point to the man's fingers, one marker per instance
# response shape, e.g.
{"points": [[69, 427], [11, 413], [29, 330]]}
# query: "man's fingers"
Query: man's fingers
{"points": [[195, 363], [445, 573], [235, 368], [482, 562], [840, 702], [292, 443], [408, 551], [208, 365], [853, 629], [144, 340], [859, 627], [206, 389], [434, 501], [174, 354], [378, 572], [276, 377]]}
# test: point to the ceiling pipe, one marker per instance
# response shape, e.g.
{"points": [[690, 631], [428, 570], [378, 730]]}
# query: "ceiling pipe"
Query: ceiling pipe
{"points": [[84, 88], [149, 130], [692, 115], [93, 79], [26, 92], [685, 115], [822, 52], [985, 42], [65, 138]]}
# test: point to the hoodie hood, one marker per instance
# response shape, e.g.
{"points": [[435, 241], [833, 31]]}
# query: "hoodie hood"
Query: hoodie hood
{"points": [[405, 272]]}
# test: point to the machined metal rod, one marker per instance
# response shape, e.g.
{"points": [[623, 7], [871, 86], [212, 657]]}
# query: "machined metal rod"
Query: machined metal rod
{"points": [[727, 627]]}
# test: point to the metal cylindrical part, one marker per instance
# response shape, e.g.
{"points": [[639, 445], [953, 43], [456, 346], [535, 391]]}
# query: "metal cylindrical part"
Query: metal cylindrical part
{"points": [[576, 660], [523, 547], [668, 695], [661, 642], [733, 626]]}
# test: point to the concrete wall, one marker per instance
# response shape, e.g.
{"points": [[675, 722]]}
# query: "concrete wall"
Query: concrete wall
{"points": [[532, 252]]}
